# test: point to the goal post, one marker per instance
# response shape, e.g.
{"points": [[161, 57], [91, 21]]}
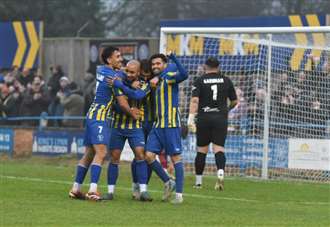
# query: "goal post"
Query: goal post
{"points": [[281, 128]]}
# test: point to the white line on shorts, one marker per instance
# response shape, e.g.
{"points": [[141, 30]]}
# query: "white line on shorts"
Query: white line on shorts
{"points": [[40, 180]]}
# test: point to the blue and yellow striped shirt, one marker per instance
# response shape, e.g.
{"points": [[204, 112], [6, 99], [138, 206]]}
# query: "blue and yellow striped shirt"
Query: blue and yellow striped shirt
{"points": [[100, 108], [122, 120], [148, 108], [167, 98]]}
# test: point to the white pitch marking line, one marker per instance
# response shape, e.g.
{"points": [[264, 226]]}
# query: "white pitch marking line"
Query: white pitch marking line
{"points": [[156, 191]]}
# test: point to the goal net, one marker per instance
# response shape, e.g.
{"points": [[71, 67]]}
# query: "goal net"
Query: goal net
{"points": [[281, 125]]}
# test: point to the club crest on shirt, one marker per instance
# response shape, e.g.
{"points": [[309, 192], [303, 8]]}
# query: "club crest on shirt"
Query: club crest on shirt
{"points": [[100, 137]]}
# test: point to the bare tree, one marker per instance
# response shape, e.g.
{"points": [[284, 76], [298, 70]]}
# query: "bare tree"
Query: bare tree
{"points": [[60, 17], [141, 18]]}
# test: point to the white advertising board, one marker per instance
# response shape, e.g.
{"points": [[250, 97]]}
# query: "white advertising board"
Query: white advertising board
{"points": [[309, 154]]}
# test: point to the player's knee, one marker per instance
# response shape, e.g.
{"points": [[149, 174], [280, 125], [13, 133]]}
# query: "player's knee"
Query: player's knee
{"points": [[139, 156], [203, 149], [150, 157], [89, 155], [218, 149], [139, 153], [100, 150], [101, 154], [176, 158], [86, 160], [115, 156]]}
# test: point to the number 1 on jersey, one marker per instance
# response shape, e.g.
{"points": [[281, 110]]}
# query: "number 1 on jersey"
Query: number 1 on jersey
{"points": [[214, 89]]}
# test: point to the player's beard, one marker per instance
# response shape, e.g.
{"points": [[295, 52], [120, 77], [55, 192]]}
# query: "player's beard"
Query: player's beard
{"points": [[156, 72]]}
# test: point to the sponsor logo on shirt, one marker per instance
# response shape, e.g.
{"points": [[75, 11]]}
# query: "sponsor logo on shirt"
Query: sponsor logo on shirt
{"points": [[208, 109]]}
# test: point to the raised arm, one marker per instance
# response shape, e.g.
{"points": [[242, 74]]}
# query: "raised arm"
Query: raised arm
{"points": [[182, 75]]}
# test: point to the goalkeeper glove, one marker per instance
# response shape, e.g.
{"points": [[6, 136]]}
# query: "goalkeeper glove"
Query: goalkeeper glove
{"points": [[191, 123]]}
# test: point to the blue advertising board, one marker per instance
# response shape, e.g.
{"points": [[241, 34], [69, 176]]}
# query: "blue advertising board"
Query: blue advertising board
{"points": [[57, 142], [6, 140], [243, 151]]}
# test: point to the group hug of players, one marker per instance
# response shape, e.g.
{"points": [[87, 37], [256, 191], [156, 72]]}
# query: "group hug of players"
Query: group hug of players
{"points": [[141, 105]]}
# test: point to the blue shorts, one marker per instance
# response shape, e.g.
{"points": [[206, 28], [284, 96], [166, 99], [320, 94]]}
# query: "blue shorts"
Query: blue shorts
{"points": [[147, 126], [96, 132], [118, 138], [164, 138]]}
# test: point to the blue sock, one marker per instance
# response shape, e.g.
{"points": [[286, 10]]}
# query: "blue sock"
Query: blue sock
{"points": [[133, 170], [149, 172], [95, 173], [141, 171], [157, 167], [81, 173], [179, 175], [112, 173]]}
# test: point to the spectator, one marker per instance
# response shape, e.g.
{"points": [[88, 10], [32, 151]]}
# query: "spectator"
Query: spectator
{"points": [[65, 86], [53, 85], [71, 101], [35, 101], [10, 78], [54, 81], [26, 77], [19, 90], [7, 103], [73, 104], [73, 87], [288, 98], [38, 79], [14, 72], [88, 91]]}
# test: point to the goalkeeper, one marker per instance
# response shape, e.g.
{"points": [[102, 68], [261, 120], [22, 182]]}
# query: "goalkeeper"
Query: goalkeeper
{"points": [[209, 99]]}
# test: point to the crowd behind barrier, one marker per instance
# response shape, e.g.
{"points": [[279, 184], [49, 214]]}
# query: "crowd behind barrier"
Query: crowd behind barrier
{"points": [[300, 101], [26, 97]]}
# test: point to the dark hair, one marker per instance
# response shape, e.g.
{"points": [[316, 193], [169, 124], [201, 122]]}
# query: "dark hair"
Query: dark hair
{"points": [[107, 52], [145, 65], [124, 62], [212, 62], [162, 56]]}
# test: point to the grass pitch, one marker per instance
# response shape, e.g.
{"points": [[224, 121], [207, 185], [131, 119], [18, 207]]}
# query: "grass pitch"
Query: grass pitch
{"points": [[34, 192]]}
